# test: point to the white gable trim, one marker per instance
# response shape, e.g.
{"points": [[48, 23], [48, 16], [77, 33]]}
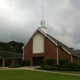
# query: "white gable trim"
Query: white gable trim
{"points": [[47, 36], [52, 41], [33, 36], [49, 39], [42, 32], [66, 51], [25, 44], [23, 54]]}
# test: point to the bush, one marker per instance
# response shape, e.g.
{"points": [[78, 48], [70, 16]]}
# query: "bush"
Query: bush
{"points": [[63, 61], [60, 68], [14, 66], [79, 69], [51, 62], [65, 69], [25, 63], [42, 66], [70, 69], [44, 62], [70, 64], [47, 67], [76, 69], [54, 68]]}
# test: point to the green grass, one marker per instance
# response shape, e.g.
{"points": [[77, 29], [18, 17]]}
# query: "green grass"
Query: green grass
{"points": [[72, 72], [33, 75]]}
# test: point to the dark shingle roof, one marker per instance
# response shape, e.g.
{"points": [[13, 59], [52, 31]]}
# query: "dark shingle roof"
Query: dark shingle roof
{"points": [[7, 54], [77, 51], [64, 46]]}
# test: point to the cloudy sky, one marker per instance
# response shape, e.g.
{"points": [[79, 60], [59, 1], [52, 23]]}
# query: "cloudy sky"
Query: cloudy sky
{"points": [[20, 18]]}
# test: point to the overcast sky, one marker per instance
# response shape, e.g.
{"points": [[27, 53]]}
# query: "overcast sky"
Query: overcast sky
{"points": [[20, 18]]}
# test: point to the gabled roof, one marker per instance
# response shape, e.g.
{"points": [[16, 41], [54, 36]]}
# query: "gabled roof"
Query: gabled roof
{"points": [[10, 55], [66, 48], [77, 51], [56, 42]]}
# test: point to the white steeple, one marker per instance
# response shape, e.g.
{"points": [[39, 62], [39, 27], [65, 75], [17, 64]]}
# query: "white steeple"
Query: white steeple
{"points": [[43, 28], [42, 21]]}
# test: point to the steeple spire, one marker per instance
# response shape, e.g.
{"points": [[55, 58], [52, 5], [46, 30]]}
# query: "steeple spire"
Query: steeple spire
{"points": [[42, 13], [42, 27], [42, 21]]}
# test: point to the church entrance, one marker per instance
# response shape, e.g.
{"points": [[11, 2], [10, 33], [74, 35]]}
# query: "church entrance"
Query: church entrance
{"points": [[37, 61]]}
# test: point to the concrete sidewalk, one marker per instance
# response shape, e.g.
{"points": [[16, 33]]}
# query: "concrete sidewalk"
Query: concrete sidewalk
{"points": [[33, 69]]}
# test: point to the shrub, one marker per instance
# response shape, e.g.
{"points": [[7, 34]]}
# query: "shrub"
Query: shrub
{"points": [[70, 69], [25, 63], [44, 62], [79, 69], [76, 69], [71, 64], [47, 67], [42, 66], [54, 68], [51, 62], [60, 68], [63, 61], [65, 69], [14, 66]]}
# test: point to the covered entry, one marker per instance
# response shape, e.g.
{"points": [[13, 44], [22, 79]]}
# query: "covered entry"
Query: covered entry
{"points": [[37, 61]]}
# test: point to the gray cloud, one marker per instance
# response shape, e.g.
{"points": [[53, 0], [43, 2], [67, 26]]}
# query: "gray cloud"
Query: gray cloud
{"points": [[20, 18]]}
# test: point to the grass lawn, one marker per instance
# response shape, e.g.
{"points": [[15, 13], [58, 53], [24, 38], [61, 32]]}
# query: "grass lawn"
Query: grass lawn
{"points": [[33, 75], [72, 72]]}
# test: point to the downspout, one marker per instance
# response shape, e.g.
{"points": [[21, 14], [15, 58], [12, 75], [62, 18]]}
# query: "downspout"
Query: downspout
{"points": [[57, 56], [23, 53], [71, 58]]}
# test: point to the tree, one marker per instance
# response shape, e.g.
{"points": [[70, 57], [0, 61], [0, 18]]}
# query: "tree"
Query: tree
{"points": [[12, 46]]}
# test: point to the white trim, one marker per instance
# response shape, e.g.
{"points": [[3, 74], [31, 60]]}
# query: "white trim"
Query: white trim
{"points": [[3, 62], [23, 54], [71, 58], [47, 37], [42, 32], [44, 35], [57, 56], [25, 44], [66, 50], [52, 41], [78, 60], [34, 35]]}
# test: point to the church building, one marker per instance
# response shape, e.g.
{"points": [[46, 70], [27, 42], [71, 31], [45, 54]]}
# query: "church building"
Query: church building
{"points": [[42, 46]]}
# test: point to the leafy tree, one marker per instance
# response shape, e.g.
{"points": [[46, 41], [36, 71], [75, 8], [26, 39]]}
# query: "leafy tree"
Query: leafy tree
{"points": [[12, 46]]}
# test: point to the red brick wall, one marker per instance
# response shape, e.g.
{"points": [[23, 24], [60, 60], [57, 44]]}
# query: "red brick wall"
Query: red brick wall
{"points": [[50, 49], [64, 54], [75, 59], [12, 61], [28, 50]]}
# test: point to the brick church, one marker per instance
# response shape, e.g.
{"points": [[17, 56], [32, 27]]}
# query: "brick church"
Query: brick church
{"points": [[42, 46]]}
